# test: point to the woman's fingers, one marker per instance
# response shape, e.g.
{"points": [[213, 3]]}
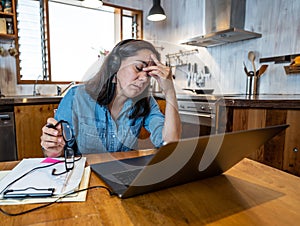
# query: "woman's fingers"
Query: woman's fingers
{"points": [[156, 61], [51, 121], [51, 140], [158, 69], [50, 131], [52, 149], [158, 73], [53, 152]]}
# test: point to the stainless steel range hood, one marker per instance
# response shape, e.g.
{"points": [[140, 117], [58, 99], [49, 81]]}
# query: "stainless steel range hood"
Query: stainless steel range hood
{"points": [[224, 22]]}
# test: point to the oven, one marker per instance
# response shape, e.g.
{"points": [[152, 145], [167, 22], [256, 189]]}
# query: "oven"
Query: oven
{"points": [[198, 117]]}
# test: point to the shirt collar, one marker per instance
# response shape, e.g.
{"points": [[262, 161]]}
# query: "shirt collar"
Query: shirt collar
{"points": [[127, 106]]}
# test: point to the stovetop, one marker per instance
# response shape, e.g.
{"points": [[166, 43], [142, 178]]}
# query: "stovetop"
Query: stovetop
{"points": [[214, 97], [204, 97]]}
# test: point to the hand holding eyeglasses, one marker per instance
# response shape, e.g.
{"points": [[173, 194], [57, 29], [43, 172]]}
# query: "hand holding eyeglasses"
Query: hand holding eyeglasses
{"points": [[52, 140], [59, 138]]}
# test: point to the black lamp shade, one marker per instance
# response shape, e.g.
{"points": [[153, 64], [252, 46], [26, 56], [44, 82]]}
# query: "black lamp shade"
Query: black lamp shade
{"points": [[156, 13]]}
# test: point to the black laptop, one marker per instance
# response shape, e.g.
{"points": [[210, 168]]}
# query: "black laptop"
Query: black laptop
{"points": [[183, 161]]}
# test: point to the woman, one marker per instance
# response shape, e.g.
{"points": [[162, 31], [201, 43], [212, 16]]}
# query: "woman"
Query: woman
{"points": [[107, 113]]}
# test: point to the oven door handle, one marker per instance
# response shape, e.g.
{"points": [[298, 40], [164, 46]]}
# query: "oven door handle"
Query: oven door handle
{"points": [[4, 117], [207, 115]]}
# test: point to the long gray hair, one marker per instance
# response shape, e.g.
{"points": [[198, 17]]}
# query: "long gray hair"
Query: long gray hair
{"points": [[102, 88]]}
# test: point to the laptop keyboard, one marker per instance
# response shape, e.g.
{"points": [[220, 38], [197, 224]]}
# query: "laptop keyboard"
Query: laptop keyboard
{"points": [[126, 177]]}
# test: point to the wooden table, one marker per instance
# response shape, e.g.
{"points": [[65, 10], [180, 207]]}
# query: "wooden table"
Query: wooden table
{"points": [[248, 194]]}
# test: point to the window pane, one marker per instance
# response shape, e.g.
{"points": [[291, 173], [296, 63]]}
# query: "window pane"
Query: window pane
{"points": [[76, 39], [76, 35], [28, 16], [127, 27]]}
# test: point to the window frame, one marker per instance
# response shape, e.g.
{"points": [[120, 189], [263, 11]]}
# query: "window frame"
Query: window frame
{"points": [[119, 12]]}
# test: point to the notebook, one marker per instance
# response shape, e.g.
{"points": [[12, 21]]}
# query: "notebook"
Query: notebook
{"points": [[32, 178], [181, 162]]}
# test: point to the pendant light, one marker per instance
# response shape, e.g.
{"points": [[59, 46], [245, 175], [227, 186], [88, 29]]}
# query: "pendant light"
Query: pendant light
{"points": [[92, 3], [156, 13]]}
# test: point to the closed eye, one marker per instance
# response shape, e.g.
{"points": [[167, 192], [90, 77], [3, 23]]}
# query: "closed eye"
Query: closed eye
{"points": [[138, 68]]}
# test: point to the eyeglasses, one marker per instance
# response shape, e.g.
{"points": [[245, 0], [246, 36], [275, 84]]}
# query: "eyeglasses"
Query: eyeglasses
{"points": [[70, 160], [69, 153]]}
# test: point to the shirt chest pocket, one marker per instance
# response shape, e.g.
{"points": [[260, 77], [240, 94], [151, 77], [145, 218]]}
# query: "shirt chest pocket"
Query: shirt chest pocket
{"points": [[91, 139]]}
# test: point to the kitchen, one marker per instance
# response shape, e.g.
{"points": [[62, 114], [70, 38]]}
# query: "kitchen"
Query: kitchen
{"points": [[184, 21], [278, 22], [225, 63]]}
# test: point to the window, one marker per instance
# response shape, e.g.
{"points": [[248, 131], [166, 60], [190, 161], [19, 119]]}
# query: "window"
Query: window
{"points": [[59, 41], [29, 33], [129, 22]]}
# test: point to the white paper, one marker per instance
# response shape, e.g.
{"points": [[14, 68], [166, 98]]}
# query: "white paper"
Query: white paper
{"points": [[78, 197], [43, 178]]}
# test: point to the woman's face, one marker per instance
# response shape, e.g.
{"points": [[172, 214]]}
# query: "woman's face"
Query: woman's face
{"points": [[131, 79]]}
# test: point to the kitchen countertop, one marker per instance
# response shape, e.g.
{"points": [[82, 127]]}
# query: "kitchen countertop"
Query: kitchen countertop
{"points": [[234, 100], [242, 100], [263, 101], [29, 99]]}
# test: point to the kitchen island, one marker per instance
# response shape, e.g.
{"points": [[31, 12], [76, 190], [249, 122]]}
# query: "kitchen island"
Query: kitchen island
{"points": [[250, 193], [243, 112], [285, 101], [233, 112]]}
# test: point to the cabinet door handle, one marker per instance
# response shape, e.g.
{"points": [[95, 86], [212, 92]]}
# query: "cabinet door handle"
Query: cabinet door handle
{"points": [[197, 114], [4, 117]]}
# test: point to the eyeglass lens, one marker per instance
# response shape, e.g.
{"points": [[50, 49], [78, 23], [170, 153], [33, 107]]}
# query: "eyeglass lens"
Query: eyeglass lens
{"points": [[69, 158], [67, 132]]}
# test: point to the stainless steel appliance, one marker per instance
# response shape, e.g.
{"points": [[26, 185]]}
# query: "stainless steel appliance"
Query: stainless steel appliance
{"points": [[8, 150], [224, 22], [198, 115]]}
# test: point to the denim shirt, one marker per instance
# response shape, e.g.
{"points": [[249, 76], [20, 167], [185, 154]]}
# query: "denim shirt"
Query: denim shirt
{"points": [[96, 131]]}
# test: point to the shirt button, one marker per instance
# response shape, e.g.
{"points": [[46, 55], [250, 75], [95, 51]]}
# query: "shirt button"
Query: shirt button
{"points": [[113, 135]]}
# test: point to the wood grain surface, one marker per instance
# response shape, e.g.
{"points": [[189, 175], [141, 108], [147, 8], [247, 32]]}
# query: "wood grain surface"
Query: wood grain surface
{"points": [[248, 194], [29, 120]]}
